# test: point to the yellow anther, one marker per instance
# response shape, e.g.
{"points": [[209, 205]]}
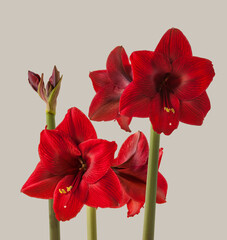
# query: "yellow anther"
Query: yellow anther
{"points": [[69, 188], [63, 191], [169, 110]]}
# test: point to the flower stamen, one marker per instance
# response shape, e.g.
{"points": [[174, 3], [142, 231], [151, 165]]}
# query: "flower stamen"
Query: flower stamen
{"points": [[63, 191], [83, 165], [168, 110]]}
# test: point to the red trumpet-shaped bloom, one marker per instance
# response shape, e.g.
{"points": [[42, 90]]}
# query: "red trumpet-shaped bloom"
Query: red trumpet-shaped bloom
{"points": [[131, 169], [169, 85], [74, 168], [109, 85]]}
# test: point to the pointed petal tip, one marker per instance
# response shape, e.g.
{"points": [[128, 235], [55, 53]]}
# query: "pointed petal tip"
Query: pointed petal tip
{"points": [[34, 80]]}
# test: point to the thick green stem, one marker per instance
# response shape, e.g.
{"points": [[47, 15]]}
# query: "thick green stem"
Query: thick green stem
{"points": [[54, 224], [151, 188], [91, 224]]}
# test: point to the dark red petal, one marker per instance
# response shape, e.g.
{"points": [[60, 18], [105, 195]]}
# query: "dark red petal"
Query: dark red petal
{"points": [[134, 103], [162, 120], [41, 183], [118, 67], [195, 75], [100, 79], [134, 207], [133, 152], [77, 126], [107, 192], [105, 104], [124, 199], [57, 152], [97, 154], [195, 110], [34, 80], [141, 64], [131, 166], [55, 77], [133, 186], [162, 187], [174, 44], [124, 122], [149, 69], [160, 156], [68, 205]]}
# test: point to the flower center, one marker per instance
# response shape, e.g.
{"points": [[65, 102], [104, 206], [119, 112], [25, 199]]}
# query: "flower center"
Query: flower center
{"points": [[166, 102], [77, 179], [83, 165]]}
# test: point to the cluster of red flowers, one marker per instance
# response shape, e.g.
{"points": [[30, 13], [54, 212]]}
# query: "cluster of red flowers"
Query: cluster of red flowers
{"points": [[167, 85], [76, 168]]}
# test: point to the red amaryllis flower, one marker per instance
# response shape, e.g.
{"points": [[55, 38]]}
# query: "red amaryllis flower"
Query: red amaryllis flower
{"points": [[74, 168], [131, 169], [168, 84], [109, 85]]}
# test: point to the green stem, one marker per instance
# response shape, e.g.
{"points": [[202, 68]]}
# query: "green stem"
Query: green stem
{"points": [[54, 224], [151, 188], [91, 224]]}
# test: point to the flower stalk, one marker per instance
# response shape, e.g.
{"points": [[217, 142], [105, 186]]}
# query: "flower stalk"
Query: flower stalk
{"points": [[54, 224], [151, 188], [91, 224]]}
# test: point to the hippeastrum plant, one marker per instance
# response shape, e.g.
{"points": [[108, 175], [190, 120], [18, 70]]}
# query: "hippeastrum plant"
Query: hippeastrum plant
{"points": [[131, 169], [49, 93], [169, 84], [109, 85], [74, 168]]}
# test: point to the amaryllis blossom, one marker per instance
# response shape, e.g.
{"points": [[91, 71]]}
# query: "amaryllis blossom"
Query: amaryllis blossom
{"points": [[74, 168], [131, 169], [169, 85], [49, 93], [109, 85]]}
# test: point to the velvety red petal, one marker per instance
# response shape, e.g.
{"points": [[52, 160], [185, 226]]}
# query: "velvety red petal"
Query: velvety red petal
{"points": [[162, 187], [161, 119], [105, 104], [131, 166], [132, 185], [194, 111], [141, 64], [98, 154], [134, 207], [68, 204], [174, 44], [41, 183], [134, 103], [107, 192], [149, 69], [133, 152], [124, 200], [77, 126], [58, 152], [118, 67], [100, 79], [124, 122], [195, 75]]}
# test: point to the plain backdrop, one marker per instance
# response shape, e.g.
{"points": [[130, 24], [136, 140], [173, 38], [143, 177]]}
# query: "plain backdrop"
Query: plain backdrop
{"points": [[77, 36]]}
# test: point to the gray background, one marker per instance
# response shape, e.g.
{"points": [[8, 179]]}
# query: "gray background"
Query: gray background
{"points": [[77, 36]]}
